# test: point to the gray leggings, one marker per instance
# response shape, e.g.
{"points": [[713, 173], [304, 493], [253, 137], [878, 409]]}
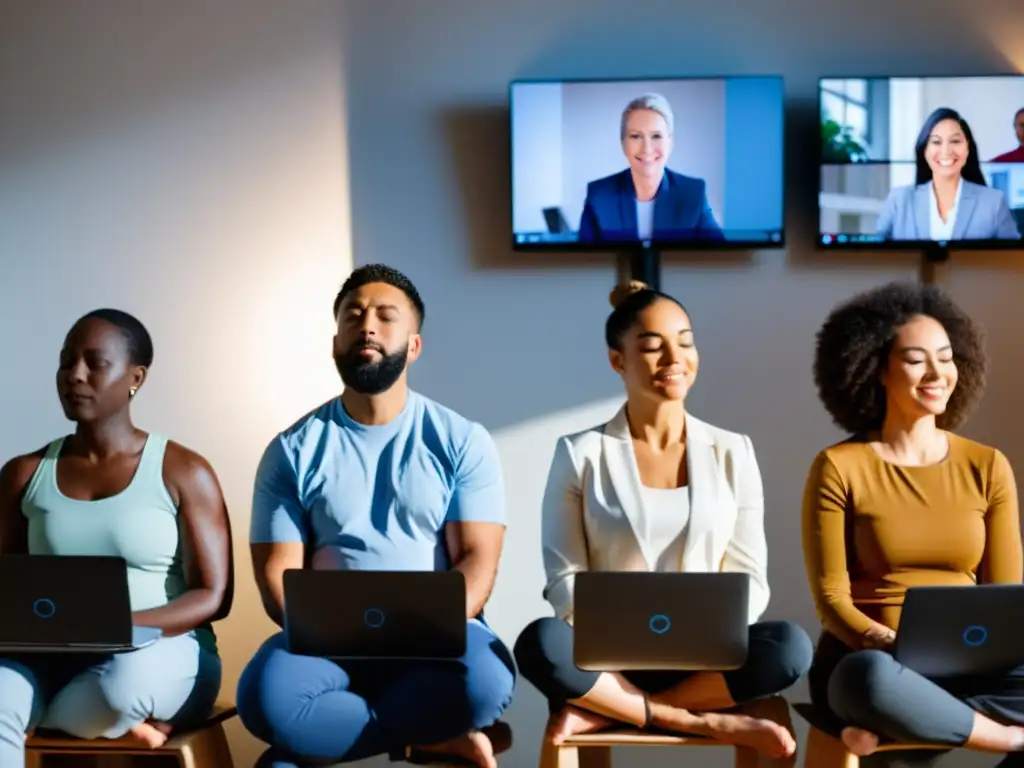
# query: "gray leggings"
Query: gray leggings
{"points": [[872, 690], [173, 680]]}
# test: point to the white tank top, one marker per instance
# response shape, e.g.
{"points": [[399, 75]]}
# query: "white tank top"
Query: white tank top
{"points": [[668, 516]]}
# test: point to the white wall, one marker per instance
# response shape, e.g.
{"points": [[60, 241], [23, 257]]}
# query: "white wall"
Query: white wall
{"points": [[185, 162]]}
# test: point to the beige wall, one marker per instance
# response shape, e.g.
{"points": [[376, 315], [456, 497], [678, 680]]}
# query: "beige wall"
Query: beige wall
{"points": [[190, 162], [185, 162]]}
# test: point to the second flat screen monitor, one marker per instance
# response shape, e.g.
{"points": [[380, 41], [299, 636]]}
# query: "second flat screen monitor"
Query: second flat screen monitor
{"points": [[667, 163], [887, 145]]}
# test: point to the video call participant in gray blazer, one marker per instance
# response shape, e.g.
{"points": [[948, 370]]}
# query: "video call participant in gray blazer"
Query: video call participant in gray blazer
{"points": [[655, 489], [950, 200]]}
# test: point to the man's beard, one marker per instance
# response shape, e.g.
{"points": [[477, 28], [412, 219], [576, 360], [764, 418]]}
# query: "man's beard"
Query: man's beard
{"points": [[371, 377]]}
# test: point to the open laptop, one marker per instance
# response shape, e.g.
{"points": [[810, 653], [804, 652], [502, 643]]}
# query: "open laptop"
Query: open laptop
{"points": [[555, 220], [67, 604], [660, 621], [969, 630], [375, 614]]}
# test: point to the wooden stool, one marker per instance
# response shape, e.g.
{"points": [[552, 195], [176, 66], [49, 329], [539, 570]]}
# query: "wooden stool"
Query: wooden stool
{"points": [[824, 750], [202, 747], [594, 750], [500, 734]]}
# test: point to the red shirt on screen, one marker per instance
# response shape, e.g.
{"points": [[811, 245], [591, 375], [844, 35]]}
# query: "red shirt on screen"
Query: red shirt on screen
{"points": [[1014, 156]]}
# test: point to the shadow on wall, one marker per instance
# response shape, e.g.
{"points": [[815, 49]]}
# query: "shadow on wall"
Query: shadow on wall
{"points": [[484, 180]]}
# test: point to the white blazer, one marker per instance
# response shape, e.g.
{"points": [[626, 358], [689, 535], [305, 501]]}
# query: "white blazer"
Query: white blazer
{"points": [[592, 510]]}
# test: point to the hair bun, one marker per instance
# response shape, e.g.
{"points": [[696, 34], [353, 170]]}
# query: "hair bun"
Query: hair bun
{"points": [[623, 291]]}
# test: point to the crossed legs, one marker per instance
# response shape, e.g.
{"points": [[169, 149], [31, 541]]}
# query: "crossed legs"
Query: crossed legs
{"points": [[312, 710], [780, 654], [882, 699], [172, 682]]}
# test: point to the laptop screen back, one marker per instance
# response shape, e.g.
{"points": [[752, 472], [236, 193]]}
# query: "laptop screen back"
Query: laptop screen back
{"points": [[58, 600], [968, 630], [660, 621], [375, 614]]}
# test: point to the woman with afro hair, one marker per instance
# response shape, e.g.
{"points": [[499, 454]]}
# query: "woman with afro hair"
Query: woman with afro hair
{"points": [[905, 502]]}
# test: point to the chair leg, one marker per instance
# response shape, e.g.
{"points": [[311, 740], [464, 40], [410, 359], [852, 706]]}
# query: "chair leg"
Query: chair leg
{"points": [[824, 751], [746, 758], [554, 756], [207, 749], [595, 757], [551, 756]]}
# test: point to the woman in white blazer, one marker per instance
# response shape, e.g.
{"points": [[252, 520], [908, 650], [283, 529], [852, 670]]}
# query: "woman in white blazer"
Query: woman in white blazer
{"points": [[656, 489]]}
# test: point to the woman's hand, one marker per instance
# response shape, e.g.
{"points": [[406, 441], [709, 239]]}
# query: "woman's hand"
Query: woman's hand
{"points": [[879, 637]]}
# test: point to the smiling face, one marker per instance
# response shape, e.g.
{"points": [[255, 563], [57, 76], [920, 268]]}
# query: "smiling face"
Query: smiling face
{"points": [[921, 374], [1018, 126], [947, 150], [658, 359], [647, 143]]}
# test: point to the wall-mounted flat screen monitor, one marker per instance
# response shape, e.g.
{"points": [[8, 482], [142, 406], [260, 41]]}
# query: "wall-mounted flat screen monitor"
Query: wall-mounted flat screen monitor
{"points": [[918, 162], [674, 164]]}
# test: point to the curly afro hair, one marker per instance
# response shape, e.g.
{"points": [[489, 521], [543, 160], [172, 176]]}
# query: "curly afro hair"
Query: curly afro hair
{"points": [[853, 349]]}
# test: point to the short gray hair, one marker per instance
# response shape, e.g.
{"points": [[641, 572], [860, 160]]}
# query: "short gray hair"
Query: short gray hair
{"points": [[652, 101]]}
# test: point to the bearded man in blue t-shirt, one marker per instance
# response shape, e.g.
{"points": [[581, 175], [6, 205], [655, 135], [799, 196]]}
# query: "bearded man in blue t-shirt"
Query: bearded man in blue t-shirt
{"points": [[378, 479]]}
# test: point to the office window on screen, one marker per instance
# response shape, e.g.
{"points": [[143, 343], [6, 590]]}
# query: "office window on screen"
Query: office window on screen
{"points": [[847, 102]]}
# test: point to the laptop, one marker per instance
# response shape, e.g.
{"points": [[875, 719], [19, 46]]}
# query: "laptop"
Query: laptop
{"points": [[67, 604], [555, 220], [970, 630], [375, 614], [660, 621]]}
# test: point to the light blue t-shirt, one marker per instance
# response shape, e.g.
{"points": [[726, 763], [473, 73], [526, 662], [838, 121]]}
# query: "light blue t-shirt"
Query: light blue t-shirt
{"points": [[377, 498]]}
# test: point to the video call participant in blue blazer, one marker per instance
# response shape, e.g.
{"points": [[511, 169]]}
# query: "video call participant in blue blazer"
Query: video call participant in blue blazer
{"points": [[379, 479], [647, 201], [951, 200], [656, 489]]}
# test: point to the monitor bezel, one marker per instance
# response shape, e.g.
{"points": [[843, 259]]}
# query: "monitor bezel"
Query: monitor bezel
{"points": [[932, 250], [625, 246]]}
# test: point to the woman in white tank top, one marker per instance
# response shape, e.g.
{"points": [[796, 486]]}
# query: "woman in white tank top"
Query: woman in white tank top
{"points": [[112, 489]]}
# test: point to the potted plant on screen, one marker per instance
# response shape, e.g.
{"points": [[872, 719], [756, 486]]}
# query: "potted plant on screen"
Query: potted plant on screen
{"points": [[838, 144]]}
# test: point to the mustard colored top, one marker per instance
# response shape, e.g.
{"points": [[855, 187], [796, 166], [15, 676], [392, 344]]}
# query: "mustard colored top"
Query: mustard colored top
{"points": [[872, 529]]}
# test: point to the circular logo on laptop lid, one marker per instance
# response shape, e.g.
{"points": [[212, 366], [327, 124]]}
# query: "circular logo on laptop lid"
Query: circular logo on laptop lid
{"points": [[659, 624], [975, 635], [44, 608]]}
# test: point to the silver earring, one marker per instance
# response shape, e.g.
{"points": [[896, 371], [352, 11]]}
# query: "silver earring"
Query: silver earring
{"points": [[132, 391]]}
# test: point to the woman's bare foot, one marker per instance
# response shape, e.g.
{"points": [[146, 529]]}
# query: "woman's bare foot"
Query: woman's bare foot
{"points": [[859, 741], [153, 735], [474, 747], [573, 720], [767, 737]]}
